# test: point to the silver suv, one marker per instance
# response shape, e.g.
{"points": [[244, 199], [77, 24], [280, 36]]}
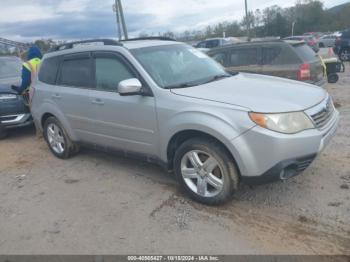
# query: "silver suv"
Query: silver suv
{"points": [[172, 104]]}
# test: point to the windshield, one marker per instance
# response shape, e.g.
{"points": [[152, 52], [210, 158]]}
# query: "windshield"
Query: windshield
{"points": [[10, 67], [178, 66]]}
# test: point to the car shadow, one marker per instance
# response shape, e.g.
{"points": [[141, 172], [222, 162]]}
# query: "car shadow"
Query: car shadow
{"points": [[22, 132]]}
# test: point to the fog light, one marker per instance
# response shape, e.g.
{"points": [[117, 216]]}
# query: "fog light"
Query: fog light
{"points": [[289, 172]]}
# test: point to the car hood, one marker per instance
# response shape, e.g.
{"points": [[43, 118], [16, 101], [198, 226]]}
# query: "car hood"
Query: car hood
{"points": [[258, 93], [5, 84]]}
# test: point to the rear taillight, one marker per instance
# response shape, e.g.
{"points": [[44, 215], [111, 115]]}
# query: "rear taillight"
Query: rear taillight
{"points": [[312, 42], [304, 72]]}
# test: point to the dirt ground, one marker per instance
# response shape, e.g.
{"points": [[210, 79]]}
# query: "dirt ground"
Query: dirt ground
{"points": [[101, 204]]}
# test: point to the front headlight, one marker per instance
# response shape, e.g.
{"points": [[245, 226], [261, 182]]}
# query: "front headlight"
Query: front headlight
{"points": [[287, 123], [7, 97]]}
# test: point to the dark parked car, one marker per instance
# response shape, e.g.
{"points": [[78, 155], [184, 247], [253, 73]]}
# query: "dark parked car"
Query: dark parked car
{"points": [[13, 112], [342, 45], [308, 39], [212, 43], [294, 60]]}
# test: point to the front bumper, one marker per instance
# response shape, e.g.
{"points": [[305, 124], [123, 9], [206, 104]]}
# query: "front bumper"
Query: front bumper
{"points": [[14, 121], [265, 156]]}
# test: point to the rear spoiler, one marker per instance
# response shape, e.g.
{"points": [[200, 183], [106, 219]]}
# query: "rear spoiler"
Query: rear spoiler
{"points": [[295, 42]]}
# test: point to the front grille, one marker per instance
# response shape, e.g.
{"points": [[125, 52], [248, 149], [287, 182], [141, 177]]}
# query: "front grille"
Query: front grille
{"points": [[7, 118], [322, 117]]}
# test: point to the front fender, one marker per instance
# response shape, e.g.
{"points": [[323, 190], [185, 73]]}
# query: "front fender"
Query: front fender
{"points": [[215, 124]]}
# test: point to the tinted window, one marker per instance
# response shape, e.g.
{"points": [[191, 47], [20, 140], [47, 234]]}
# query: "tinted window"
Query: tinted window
{"points": [[305, 52], [10, 67], [76, 72], [271, 55], [346, 34], [220, 57], [48, 70], [109, 72], [213, 43], [201, 45], [243, 57]]}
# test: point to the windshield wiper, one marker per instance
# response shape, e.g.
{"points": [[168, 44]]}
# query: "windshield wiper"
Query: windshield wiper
{"points": [[184, 85], [212, 79], [217, 77]]}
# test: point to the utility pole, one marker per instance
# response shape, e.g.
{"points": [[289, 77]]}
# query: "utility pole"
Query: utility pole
{"points": [[293, 25], [247, 20], [121, 25], [119, 28], [123, 20]]}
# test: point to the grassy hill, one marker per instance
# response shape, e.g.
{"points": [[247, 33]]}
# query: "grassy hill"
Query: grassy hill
{"points": [[338, 8]]}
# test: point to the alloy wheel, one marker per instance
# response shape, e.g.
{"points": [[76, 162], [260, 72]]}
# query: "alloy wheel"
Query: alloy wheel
{"points": [[55, 138], [202, 173]]}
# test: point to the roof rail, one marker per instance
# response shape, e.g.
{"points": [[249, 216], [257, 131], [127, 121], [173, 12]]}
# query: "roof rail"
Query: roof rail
{"points": [[164, 38], [71, 44]]}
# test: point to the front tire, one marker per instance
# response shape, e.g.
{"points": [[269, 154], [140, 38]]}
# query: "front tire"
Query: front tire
{"points": [[206, 171], [57, 139]]}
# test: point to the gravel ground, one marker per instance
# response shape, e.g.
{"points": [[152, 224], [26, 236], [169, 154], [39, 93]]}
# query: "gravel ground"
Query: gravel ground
{"points": [[101, 204]]}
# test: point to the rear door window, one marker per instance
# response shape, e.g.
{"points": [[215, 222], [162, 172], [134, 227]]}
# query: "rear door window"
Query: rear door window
{"points": [[212, 43], [76, 72], [48, 70], [243, 57], [271, 55]]}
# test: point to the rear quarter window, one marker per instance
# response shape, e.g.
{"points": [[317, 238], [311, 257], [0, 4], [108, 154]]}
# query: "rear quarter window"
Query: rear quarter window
{"points": [[305, 53], [279, 55], [220, 57], [48, 70]]}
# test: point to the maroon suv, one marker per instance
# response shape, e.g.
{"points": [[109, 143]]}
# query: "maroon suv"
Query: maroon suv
{"points": [[294, 60]]}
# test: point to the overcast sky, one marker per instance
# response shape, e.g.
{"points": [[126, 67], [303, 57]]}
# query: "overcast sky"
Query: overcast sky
{"points": [[77, 19]]}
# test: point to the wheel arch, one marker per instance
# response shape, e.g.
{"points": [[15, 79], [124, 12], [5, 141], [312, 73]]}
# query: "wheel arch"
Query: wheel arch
{"points": [[51, 112], [182, 136]]}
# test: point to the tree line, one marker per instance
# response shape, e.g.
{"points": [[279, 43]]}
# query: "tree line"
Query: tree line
{"points": [[306, 15]]}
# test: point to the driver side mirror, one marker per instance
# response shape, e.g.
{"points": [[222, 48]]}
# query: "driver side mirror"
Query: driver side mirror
{"points": [[130, 87]]}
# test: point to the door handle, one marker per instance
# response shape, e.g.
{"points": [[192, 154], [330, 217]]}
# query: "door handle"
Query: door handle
{"points": [[97, 101], [56, 96]]}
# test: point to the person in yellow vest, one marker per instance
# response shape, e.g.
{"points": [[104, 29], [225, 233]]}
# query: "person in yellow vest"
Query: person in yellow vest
{"points": [[29, 70]]}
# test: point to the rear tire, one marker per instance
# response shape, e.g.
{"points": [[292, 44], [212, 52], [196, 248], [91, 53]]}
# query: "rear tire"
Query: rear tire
{"points": [[206, 171], [58, 140]]}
